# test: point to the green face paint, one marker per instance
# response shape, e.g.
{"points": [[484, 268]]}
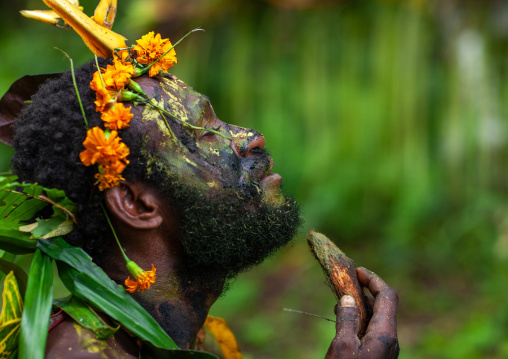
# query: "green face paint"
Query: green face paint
{"points": [[218, 157]]}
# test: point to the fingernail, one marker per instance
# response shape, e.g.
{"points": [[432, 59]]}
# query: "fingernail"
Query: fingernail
{"points": [[347, 301]]}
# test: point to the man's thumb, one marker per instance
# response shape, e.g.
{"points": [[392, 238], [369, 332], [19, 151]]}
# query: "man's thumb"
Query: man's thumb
{"points": [[348, 317], [346, 342]]}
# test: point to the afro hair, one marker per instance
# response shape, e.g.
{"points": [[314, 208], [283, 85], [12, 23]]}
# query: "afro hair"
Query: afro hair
{"points": [[47, 141]]}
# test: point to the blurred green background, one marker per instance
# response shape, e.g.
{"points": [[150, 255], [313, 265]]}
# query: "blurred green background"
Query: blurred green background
{"points": [[387, 121]]}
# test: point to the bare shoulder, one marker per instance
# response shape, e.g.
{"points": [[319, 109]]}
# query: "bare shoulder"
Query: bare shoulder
{"points": [[70, 340]]}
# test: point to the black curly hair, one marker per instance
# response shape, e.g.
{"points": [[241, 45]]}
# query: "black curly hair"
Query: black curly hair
{"points": [[47, 141]]}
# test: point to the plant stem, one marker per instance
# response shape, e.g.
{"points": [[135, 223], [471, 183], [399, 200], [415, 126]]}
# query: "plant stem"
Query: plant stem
{"points": [[99, 70], [76, 86], [172, 47], [192, 126], [127, 260]]}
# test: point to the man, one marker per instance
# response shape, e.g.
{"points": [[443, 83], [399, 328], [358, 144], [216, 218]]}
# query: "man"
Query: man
{"points": [[199, 205]]}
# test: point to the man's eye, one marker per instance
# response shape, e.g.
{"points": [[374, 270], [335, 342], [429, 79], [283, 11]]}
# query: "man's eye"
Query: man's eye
{"points": [[203, 134], [200, 134]]}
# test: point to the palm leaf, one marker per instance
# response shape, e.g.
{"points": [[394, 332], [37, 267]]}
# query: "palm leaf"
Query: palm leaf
{"points": [[38, 302], [83, 314], [20, 203], [89, 283]]}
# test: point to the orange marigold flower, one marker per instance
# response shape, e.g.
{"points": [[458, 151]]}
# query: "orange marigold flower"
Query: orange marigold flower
{"points": [[109, 176], [121, 55], [142, 279], [102, 150], [114, 77], [96, 82], [104, 99], [117, 117], [117, 75], [149, 48]]}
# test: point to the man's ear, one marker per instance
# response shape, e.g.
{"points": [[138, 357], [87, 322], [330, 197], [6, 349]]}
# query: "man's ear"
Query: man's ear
{"points": [[135, 204]]}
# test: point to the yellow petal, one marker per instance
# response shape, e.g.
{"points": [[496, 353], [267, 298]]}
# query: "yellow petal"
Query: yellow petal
{"points": [[225, 338], [46, 16], [100, 41], [75, 3], [105, 13]]}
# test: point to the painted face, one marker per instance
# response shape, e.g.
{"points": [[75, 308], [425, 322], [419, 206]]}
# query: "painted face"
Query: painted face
{"points": [[231, 211], [233, 159]]}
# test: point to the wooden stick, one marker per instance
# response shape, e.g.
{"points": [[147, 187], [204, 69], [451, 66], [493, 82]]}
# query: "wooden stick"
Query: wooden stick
{"points": [[341, 274]]}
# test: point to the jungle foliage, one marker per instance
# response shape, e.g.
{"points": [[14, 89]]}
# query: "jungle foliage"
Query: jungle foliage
{"points": [[386, 119]]}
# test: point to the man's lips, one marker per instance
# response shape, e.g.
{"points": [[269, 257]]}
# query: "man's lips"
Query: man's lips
{"points": [[266, 173], [270, 180]]}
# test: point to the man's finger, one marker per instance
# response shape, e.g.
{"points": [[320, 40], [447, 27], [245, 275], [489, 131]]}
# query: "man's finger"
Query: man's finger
{"points": [[386, 298], [348, 323], [382, 329]]}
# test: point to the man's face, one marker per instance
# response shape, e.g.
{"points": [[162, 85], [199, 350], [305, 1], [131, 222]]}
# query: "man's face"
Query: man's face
{"points": [[235, 161], [232, 212]]}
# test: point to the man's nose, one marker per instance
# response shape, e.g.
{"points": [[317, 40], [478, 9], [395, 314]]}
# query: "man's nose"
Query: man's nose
{"points": [[247, 146]]}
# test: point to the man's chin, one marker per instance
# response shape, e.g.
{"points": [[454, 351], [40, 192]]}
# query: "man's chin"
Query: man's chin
{"points": [[223, 235]]}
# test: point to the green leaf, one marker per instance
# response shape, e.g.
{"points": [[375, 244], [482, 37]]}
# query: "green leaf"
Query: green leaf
{"points": [[45, 226], [49, 228], [14, 354], [38, 301], [20, 203], [148, 352], [25, 210], [6, 180], [62, 229], [53, 227], [7, 266], [9, 335], [9, 258], [14, 241], [10, 316], [85, 316], [88, 282], [12, 302]]}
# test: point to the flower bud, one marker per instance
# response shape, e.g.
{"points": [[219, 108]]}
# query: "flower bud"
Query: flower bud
{"points": [[134, 86], [125, 95], [140, 71]]}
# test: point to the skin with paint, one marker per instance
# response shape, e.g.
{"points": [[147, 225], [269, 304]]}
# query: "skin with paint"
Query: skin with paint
{"points": [[231, 162]]}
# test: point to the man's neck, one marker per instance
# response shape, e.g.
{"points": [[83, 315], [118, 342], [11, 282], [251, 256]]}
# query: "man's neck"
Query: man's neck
{"points": [[180, 310]]}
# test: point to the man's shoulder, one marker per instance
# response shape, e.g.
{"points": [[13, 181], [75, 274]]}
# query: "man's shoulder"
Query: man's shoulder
{"points": [[68, 339]]}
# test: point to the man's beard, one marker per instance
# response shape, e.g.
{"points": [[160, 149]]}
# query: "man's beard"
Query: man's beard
{"points": [[223, 235]]}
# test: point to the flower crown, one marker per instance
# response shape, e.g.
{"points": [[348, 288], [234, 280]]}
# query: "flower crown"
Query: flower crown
{"points": [[111, 85]]}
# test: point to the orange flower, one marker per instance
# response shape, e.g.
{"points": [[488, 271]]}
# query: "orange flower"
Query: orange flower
{"points": [[150, 48], [117, 117], [114, 77], [96, 83], [121, 55], [117, 75], [102, 150], [109, 176], [104, 99], [142, 279]]}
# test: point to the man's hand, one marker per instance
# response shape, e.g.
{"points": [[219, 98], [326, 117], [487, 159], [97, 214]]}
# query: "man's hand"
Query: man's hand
{"points": [[380, 340]]}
